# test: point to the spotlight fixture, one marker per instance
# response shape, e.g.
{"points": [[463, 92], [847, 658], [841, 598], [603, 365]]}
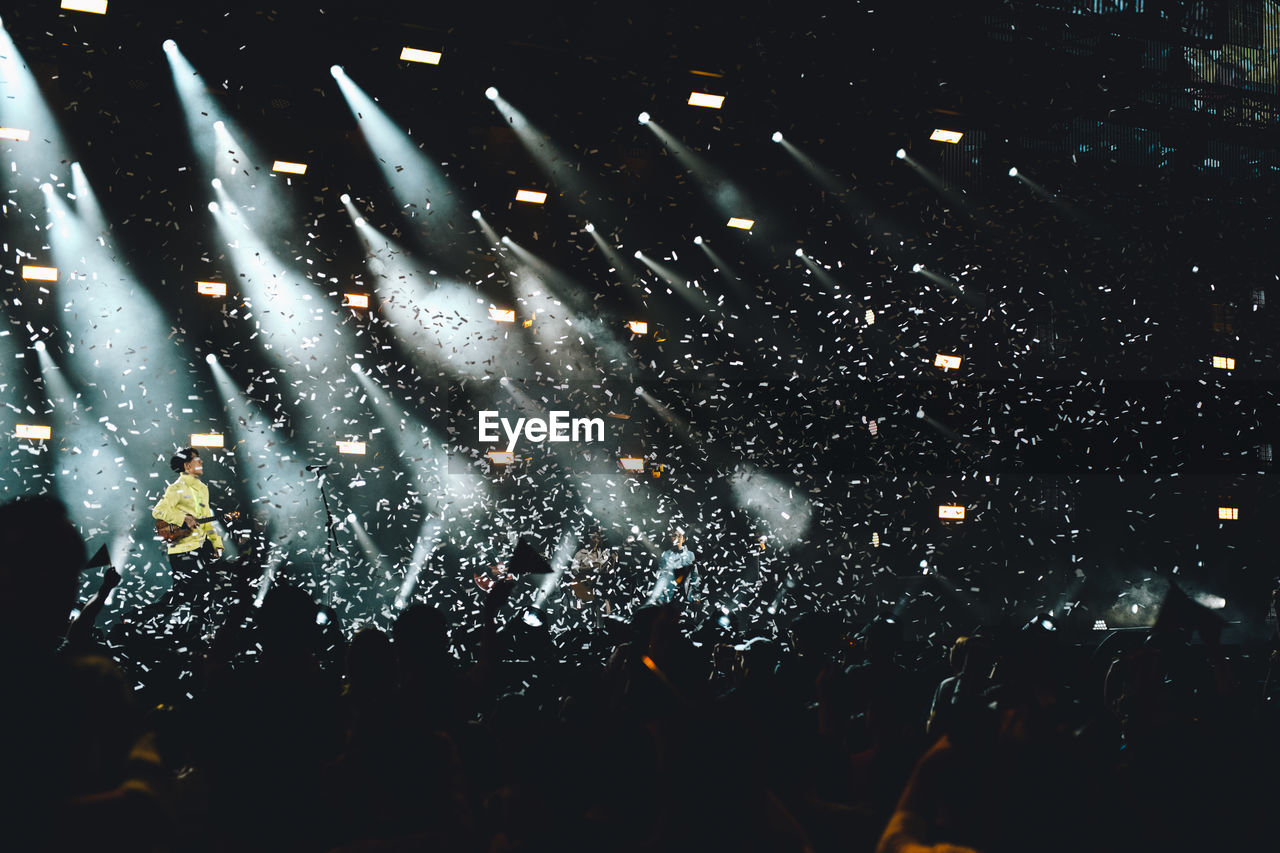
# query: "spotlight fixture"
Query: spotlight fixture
{"points": [[211, 288], [940, 135], [917, 267], [1099, 624], [475, 214], [337, 71], [1228, 513], [491, 93], [502, 315], [97, 7], [777, 136], [206, 439], [638, 327], [947, 362], [638, 254], [345, 198], [216, 183], [355, 300], [211, 358], [39, 345], [219, 125], [1221, 362], [951, 511], [744, 224], [169, 45], [501, 457], [643, 118], [875, 540], [290, 168], [697, 241], [34, 273], [531, 196], [870, 317], [34, 431], [356, 368], [354, 448], [15, 133], [632, 464], [425, 57], [901, 154], [589, 228], [702, 99], [1013, 172], [213, 207], [799, 253]]}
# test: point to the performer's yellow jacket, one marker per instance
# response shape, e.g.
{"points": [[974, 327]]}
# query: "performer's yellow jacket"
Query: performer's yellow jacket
{"points": [[187, 496]]}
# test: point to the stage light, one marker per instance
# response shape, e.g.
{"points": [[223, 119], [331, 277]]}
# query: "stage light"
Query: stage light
{"points": [[799, 253], [1013, 172], [501, 457], [1224, 363], [947, 362], [702, 99], [356, 368], [873, 428], [213, 207], [39, 345], [502, 315], [206, 439], [290, 168], [355, 300], [475, 214], [920, 413], [506, 239], [97, 7], [917, 267], [643, 118], [638, 254], [33, 273], [1099, 625], [216, 183], [638, 327], [697, 241], [15, 133], [169, 45], [1228, 513], [940, 135], [210, 358], [901, 154], [531, 196], [870, 317], [951, 511], [777, 136], [337, 71], [426, 57], [632, 464], [345, 198], [589, 228], [33, 431], [354, 448], [491, 93], [219, 125], [211, 288], [744, 224], [875, 540]]}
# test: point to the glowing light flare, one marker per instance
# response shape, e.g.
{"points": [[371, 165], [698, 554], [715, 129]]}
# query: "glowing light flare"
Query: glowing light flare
{"points": [[354, 448], [1099, 624], [1223, 362], [951, 511], [425, 57], [17, 134], [875, 540], [502, 315], [744, 224], [940, 135], [33, 431], [702, 99], [33, 273], [632, 464], [289, 168], [870, 317], [96, 7], [355, 300], [947, 362], [638, 327], [206, 439], [501, 457], [1228, 513], [211, 288], [531, 196]]}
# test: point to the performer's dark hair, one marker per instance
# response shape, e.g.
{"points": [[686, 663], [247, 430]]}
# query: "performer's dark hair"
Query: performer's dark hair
{"points": [[180, 459]]}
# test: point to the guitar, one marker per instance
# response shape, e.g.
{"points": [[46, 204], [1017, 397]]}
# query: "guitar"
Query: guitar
{"points": [[171, 534]]}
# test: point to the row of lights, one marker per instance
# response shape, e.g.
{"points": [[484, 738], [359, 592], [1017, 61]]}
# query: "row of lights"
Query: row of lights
{"points": [[630, 464]]}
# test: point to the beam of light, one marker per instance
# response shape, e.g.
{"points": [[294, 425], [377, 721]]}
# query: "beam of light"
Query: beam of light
{"points": [[723, 194], [424, 545], [283, 505], [117, 334], [690, 291], [958, 201], [87, 207], [443, 323], [974, 300], [415, 180], [781, 508], [559, 561], [370, 568], [740, 289], [617, 263], [22, 107]]}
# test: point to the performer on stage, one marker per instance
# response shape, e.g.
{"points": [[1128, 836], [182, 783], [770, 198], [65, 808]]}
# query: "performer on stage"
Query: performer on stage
{"points": [[676, 573], [589, 575], [185, 503]]}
